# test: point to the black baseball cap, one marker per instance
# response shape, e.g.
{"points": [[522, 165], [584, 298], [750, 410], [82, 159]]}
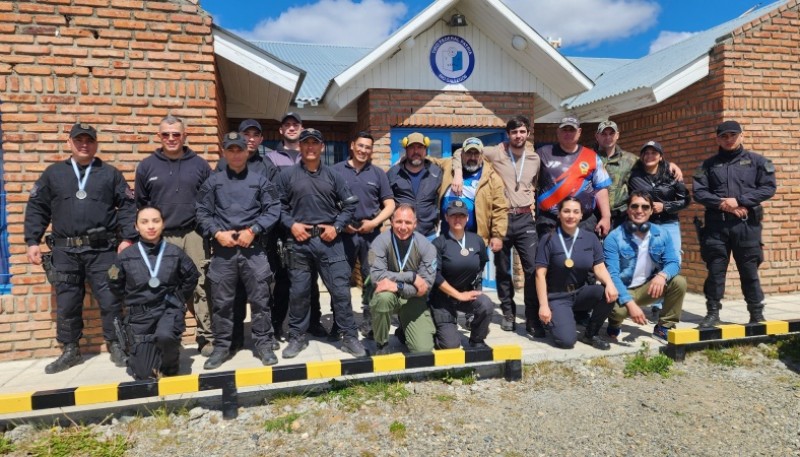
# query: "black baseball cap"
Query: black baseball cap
{"points": [[457, 207], [652, 144], [292, 114], [729, 127], [250, 123], [234, 139], [83, 129], [311, 133]]}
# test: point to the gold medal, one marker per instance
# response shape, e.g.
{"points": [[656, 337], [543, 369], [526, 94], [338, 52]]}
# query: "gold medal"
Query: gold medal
{"points": [[569, 263]]}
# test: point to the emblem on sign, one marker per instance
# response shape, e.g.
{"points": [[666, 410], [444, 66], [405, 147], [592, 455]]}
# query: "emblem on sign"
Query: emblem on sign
{"points": [[452, 59]]}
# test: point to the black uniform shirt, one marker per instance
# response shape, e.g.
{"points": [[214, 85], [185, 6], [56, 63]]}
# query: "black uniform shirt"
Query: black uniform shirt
{"points": [[743, 174], [586, 253], [314, 197], [109, 203], [257, 164], [234, 201], [425, 200], [129, 276], [370, 185], [461, 272]]}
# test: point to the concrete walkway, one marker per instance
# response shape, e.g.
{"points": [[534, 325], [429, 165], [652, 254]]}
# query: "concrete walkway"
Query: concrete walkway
{"points": [[28, 375]]}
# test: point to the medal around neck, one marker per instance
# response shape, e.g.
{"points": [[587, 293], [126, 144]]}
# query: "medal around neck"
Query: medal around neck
{"points": [[154, 281], [81, 194], [568, 262]]}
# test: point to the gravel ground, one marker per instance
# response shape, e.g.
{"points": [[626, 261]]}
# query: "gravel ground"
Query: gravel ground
{"points": [[582, 408]]}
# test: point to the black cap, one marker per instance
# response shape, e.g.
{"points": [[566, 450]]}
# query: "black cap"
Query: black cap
{"points": [[292, 114], [457, 207], [311, 133], [234, 139], [250, 123], [83, 129], [652, 144], [729, 127]]}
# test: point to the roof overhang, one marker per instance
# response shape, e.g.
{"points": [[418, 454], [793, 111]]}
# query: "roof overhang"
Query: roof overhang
{"points": [[499, 23], [256, 83], [644, 97]]}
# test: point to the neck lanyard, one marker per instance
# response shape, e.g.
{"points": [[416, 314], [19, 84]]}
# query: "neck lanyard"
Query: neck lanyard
{"points": [[514, 164], [81, 193], [397, 251], [462, 242], [153, 282], [569, 263]]}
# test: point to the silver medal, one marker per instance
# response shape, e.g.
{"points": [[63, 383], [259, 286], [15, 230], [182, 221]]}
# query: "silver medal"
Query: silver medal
{"points": [[81, 194], [464, 252], [153, 283]]}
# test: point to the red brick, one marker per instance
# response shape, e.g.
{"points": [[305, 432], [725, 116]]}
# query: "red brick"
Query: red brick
{"points": [[75, 10], [128, 24], [12, 18]]}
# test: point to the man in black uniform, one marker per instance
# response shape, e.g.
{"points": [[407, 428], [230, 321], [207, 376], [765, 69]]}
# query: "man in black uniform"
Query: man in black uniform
{"points": [[88, 202], [170, 179], [375, 205], [250, 129], [732, 185], [235, 207], [311, 197]]}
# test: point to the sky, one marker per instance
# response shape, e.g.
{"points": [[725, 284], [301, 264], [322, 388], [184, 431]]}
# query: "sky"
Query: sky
{"points": [[587, 28]]}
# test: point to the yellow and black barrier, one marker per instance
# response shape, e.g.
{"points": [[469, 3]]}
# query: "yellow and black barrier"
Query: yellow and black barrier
{"points": [[230, 381], [681, 339]]}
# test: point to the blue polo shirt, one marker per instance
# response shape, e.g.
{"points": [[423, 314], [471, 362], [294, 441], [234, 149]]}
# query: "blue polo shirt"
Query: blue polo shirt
{"points": [[370, 185]]}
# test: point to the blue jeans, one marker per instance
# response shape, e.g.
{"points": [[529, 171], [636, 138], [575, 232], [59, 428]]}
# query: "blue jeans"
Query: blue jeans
{"points": [[674, 230]]}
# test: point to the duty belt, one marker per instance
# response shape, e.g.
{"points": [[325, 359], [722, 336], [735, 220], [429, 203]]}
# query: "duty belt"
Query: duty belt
{"points": [[725, 217], [80, 241], [142, 308], [316, 230]]}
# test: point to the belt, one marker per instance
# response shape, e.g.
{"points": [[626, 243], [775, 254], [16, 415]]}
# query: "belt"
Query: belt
{"points": [[725, 217], [316, 230], [520, 210], [142, 308], [79, 241]]}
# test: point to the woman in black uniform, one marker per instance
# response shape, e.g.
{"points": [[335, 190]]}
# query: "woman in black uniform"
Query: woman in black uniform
{"points": [[460, 258], [564, 259], [154, 279]]}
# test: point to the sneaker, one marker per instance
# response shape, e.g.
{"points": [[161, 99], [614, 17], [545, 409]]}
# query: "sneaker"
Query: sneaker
{"points": [[655, 314], [296, 346], [266, 355], [660, 332], [477, 345], [383, 349], [596, 342], [216, 359], [118, 356], [351, 345], [508, 323], [613, 332], [317, 330]]}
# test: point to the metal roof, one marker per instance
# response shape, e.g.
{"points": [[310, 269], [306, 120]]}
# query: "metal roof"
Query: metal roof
{"points": [[594, 67], [654, 68], [322, 63]]}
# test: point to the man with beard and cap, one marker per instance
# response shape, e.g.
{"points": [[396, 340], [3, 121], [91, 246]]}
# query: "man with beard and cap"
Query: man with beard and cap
{"points": [[170, 179], [416, 180]]}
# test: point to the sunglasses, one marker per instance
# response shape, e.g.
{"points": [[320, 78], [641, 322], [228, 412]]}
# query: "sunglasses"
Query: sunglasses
{"points": [[166, 135], [644, 207]]}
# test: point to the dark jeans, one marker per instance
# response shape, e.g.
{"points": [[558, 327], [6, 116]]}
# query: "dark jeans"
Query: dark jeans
{"points": [[521, 235]]}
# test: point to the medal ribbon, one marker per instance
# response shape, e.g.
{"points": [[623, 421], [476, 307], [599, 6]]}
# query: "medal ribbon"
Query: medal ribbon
{"points": [[397, 251], [462, 242], [568, 253], [153, 271], [514, 163], [81, 182]]}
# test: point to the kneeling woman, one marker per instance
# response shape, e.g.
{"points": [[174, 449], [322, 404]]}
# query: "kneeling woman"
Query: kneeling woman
{"points": [[154, 279], [563, 261], [460, 258]]}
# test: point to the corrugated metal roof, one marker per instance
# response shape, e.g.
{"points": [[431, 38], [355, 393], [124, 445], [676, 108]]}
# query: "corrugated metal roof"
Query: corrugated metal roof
{"points": [[594, 67], [654, 68], [322, 63]]}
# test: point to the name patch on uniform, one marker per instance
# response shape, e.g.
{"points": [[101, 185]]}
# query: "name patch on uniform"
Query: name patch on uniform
{"points": [[745, 162]]}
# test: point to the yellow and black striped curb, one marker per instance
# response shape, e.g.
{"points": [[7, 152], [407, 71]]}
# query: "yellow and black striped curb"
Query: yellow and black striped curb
{"points": [[246, 377], [678, 340]]}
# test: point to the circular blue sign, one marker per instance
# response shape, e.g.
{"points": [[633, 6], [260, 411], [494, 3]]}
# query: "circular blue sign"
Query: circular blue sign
{"points": [[452, 59]]}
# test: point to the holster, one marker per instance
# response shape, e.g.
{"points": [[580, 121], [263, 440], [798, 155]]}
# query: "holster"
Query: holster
{"points": [[698, 226], [282, 255], [288, 257], [124, 335], [54, 276]]}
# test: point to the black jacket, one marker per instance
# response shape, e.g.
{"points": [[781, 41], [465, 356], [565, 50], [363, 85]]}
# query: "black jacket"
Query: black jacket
{"points": [[664, 188]]}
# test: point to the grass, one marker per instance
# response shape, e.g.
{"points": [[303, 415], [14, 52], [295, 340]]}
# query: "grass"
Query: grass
{"points": [[351, 395], [284, 400], [6, 446], [282, 423], [645, 364], [466, 376], [443, 398], [789, 349], [548, 368], [398, 430], [729, 357], [74, 442]]}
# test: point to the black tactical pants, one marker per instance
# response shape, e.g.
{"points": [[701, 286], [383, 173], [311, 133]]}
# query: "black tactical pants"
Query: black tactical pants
{"points": [[157, 332], [742, 238], [444, 312]]}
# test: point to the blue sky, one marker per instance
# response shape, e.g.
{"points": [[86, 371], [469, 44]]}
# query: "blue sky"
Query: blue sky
{"points": [[590, 28]]}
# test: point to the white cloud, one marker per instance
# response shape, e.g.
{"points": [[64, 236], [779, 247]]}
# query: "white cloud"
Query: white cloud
{"points": [[666, 39], [586, 23], [347, 22]]}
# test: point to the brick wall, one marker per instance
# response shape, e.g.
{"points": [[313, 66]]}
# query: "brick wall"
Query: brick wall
{"points": [[118, 64]]}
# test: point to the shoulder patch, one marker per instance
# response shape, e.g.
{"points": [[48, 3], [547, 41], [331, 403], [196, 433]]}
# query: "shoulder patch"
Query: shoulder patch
{"points": [[769, 167], [34, 190], [129, 193], [699, 172], [113, 272]]}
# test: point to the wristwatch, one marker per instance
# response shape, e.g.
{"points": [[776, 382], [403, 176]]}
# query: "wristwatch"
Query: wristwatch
{"points": [[338, 229], [400, 287]]}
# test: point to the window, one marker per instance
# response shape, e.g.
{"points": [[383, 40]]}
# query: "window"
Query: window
{"points": [[5, 277]]}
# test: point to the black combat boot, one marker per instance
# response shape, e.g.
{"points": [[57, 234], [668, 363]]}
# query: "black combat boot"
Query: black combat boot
{"points": [[366, 323], [118, 356], [712, 316], [591, 337], [70, 356], [756, 313]]}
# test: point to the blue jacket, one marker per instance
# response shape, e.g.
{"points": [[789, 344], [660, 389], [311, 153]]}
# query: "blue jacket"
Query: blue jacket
{"points": [[621, 252]]}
